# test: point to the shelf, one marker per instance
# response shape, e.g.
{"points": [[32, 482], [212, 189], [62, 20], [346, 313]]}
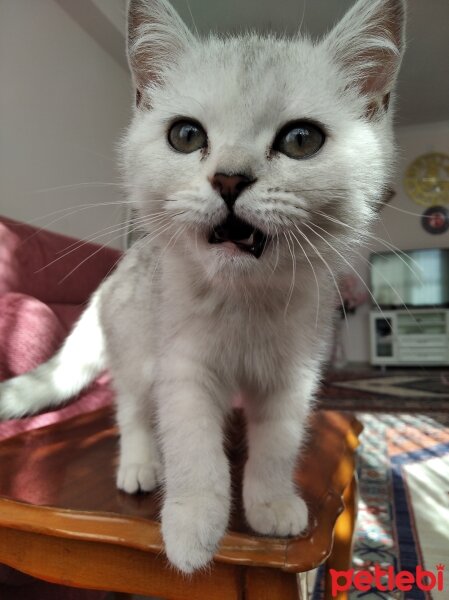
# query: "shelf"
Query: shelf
{"points": [[420, 330], [420, 318], [408, 337], [423, 341]]}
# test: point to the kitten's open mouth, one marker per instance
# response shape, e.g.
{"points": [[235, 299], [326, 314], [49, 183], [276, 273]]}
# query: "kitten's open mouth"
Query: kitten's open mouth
{"points": [[245, 236]]}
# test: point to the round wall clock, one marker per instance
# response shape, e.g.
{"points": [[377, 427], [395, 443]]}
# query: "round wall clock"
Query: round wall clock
{"points": [[426, 180]]}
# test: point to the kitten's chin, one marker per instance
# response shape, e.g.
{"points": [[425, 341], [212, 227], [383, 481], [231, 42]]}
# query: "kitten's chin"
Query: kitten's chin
{"points": [[227, 262], [223, 262], [228, 253]]}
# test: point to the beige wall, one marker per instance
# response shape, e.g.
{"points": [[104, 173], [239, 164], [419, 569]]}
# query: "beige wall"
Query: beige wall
{"points": [[397, 227], [115, 11], [63, 105]]}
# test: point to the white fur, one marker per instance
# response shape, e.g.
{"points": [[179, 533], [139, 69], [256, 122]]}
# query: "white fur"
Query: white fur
{"points": [[187, 325]]}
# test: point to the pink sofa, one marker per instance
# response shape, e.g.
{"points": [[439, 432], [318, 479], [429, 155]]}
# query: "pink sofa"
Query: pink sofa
{"points": [[39, 301], [40, 298]]}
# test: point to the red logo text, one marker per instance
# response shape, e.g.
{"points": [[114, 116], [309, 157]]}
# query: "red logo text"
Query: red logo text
{"points": [[387, 580]]}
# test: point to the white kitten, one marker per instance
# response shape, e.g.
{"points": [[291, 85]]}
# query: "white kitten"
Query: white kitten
{"points": [[254, 163]]}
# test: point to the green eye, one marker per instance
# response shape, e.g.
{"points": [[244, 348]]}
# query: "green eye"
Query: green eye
{"points": [[299, 140], [187, 136]]}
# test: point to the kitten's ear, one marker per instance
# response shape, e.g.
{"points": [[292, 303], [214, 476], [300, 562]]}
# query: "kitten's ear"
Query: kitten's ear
{"points": [[369, 43], [156, 37]]}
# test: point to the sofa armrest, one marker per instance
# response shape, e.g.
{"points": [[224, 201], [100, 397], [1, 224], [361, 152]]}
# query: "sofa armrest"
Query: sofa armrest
{"points": [[37, 262]]}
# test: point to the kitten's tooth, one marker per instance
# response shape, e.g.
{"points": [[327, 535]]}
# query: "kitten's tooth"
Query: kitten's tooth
{"points": [[248, 241]]}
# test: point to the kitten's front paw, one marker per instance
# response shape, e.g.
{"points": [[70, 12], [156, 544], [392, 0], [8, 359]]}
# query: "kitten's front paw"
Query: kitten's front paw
{"points": [[134, 477], [192, 528], [284, 515]]}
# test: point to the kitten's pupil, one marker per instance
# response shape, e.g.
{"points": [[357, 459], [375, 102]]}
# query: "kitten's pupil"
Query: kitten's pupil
{"points": [[187, 136], [298, 136]]}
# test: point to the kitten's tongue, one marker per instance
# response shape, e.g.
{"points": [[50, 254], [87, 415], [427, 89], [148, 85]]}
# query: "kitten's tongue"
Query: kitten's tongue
{"points": [[244, 236]]}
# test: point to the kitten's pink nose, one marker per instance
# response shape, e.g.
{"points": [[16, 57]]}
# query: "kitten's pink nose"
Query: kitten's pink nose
{"points": [[230, 186]]}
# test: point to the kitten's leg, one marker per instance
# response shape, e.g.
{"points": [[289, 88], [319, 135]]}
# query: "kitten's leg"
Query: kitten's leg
{"points": [[275, 431], [197, 479], [140, 465]]}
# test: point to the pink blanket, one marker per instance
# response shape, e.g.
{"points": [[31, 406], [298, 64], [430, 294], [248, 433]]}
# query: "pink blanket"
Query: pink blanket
{"points": [[39, 304]]}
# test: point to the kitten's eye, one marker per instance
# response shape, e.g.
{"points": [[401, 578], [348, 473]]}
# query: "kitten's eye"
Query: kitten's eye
{"points": [[187, 136], [299, 140]]}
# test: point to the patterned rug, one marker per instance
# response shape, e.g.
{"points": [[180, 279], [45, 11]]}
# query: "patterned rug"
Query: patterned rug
{"points": [[403, 520], [411, 390]]}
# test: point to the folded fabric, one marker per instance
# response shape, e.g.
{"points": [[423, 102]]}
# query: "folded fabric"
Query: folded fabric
{"points": [[30, 334], [39, 303], [50, 266]]}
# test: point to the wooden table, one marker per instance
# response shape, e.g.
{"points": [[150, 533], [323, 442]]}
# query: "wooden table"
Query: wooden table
{"points": [[62, 519]]}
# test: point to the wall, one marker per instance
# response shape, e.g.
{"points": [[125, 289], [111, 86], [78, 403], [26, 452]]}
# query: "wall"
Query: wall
{"points": [[63, 104], [402, 229], [115, 11]]}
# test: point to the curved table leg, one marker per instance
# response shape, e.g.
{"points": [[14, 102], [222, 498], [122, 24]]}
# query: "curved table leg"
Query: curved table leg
{"points": [[340, 558]]}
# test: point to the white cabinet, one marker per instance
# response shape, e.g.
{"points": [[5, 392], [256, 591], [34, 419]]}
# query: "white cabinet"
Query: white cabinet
{"points": [[410, 337]]}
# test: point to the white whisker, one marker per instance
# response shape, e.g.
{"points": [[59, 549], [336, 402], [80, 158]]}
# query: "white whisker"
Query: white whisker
{"points": [[326, 264], [86, 184], [136, 223], [191, 16], [315, 276], [390, 247], [366, 261], [177, 233], [292, 284], [121, 229], [407, 212], [362, 281]]}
